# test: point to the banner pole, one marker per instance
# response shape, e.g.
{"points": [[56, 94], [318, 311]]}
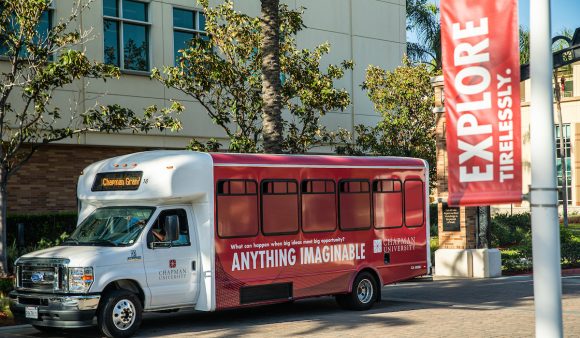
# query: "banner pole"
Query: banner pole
{"points": [[544, 198]]}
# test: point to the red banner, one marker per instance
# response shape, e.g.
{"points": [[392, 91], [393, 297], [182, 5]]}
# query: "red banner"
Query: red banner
{"points": [[481, 68]]}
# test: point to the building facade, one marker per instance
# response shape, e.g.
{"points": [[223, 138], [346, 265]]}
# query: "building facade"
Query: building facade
{"points": [[138, 35], [570, 104]]}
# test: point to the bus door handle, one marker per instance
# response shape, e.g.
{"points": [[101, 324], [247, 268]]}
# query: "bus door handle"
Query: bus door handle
{"points": [[193, 265]]}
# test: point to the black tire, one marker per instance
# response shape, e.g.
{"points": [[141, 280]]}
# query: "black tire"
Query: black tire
{"points": [[48, 329], [364, 293], [126, 307]]}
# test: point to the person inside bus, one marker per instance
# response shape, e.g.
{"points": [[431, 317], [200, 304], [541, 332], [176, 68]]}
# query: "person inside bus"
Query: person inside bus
{"points": [[158, 229]]}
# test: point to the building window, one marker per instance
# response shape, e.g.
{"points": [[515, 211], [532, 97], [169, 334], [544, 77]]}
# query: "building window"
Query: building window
{"points": [[354, 204], [45, 23], [186, 25], [568, 163], [126, 29], [279, 207], [318, 205], [237, 208]]}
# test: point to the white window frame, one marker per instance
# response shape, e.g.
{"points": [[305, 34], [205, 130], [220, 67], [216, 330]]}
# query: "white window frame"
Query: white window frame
{"points": [[121, 42]]}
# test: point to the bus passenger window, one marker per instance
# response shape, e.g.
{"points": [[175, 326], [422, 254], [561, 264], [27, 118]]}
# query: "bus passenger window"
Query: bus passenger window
{"points": [[354, 204], [388, 203], [414, 203], [318, 205], [279, 207], [237, 208]]}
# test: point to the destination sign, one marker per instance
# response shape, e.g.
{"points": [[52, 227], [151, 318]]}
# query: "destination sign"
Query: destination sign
{"points": [[127, 180]]}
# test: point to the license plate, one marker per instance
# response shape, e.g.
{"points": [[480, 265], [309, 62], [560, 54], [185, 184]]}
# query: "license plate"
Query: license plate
{"points": [[32, 312]]}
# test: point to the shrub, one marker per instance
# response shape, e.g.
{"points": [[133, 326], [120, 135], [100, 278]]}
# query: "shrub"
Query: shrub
{"points": [[569, 248], [509, 230], [6, 285], [517, 259], [433, 219], [48, 226]]}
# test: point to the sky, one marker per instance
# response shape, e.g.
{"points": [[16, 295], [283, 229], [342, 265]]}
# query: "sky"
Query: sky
{"points": [[565, 14]]}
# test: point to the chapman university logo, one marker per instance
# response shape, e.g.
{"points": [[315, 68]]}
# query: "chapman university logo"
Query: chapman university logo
{"points": [[377, 246]]}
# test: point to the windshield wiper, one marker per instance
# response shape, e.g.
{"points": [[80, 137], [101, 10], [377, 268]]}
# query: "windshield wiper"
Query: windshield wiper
{"points": [[71, 241], [102, 241]]}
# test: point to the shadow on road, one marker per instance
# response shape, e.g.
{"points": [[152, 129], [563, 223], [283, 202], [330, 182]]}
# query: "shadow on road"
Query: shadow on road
{"points": [[323, 314]]}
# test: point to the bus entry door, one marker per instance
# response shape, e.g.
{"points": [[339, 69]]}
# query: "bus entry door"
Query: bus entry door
{"points": [[171, 259]]}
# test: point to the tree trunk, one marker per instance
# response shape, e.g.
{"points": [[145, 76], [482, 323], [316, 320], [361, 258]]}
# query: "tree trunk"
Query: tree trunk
{"points": [[3, 241], [271, 85]]}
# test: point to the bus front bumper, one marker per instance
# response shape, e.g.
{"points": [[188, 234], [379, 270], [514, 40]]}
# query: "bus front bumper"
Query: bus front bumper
{"points": [[66, 311]]}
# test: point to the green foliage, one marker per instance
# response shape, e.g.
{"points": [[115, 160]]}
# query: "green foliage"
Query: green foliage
{"points": [[424, 20], [508, 230], [47, 226], [434, 245], [224, 73], [517, 259], [524, 45], [512, 233], [569, 248], [6, 285], [37, 63], [404, 98], [41, 231], [433, 219]]}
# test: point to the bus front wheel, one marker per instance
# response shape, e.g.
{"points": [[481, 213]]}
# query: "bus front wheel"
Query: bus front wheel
{"points": [[364, 293], [120, 315]]}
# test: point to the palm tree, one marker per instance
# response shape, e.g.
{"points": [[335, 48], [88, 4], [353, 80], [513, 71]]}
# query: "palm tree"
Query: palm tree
{"points": [[423, 19], [271, 84], [524, 45]]}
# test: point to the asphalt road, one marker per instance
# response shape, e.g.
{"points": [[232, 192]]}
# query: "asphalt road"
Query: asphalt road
{"points": [[501, 307]]}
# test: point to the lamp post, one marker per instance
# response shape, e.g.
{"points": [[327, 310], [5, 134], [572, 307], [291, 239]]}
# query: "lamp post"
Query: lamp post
{"points": [[544, 198]]}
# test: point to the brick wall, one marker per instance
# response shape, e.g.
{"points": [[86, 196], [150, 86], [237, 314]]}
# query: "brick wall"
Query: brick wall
{"points": [[48, 181], [465, 237]]}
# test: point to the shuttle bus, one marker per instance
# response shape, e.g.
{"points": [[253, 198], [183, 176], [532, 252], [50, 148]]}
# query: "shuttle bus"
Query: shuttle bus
{"points": [[166, 230]]}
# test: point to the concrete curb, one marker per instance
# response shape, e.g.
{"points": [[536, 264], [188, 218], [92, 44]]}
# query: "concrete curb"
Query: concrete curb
{"points": [[15, 327]]}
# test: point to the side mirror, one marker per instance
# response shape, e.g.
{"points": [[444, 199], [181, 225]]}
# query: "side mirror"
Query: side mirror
{"points": [[171, 228]]}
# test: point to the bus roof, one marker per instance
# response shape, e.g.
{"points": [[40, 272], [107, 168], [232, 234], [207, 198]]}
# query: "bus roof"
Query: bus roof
{"points": [[225, 159]]}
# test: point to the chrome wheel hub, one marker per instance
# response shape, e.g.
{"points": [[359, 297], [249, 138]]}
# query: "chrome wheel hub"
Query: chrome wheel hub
{"points": [[364, 291], [124, 314]]}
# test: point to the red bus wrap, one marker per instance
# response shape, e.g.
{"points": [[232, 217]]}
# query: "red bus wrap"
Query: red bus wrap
{"points": [[482, 101]]}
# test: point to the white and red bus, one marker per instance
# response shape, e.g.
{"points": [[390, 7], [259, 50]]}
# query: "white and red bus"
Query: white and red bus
{"points": [[165, 230]]}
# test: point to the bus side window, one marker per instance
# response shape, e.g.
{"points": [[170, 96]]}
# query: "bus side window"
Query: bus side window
{"points": [[318, 205], [279, 207], [388, 203], [183, 231], [237, 208], [414, 203], [354, 204]]}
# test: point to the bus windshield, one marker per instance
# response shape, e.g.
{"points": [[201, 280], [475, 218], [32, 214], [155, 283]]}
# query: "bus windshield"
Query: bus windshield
{"points": [[111, 226]]}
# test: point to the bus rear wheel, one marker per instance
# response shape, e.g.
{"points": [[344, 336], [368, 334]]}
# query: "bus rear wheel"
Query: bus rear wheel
{"points": [[363, 295]]}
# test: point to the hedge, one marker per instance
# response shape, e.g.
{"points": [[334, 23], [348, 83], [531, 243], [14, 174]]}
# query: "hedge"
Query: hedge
{"points": [[40, 226]]}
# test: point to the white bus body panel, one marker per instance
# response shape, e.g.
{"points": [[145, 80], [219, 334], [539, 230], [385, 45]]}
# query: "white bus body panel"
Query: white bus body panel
{"points": [[169, 178]]}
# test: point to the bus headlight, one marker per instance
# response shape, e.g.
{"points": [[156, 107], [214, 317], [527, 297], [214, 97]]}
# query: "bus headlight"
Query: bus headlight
{"points": [[80, 279]]}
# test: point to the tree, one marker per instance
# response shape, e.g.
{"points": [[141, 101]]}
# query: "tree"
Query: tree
{"points": [[38, 63], [271, 84], [405, 99], [423, 18], [224, 74], [524, 45]]}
